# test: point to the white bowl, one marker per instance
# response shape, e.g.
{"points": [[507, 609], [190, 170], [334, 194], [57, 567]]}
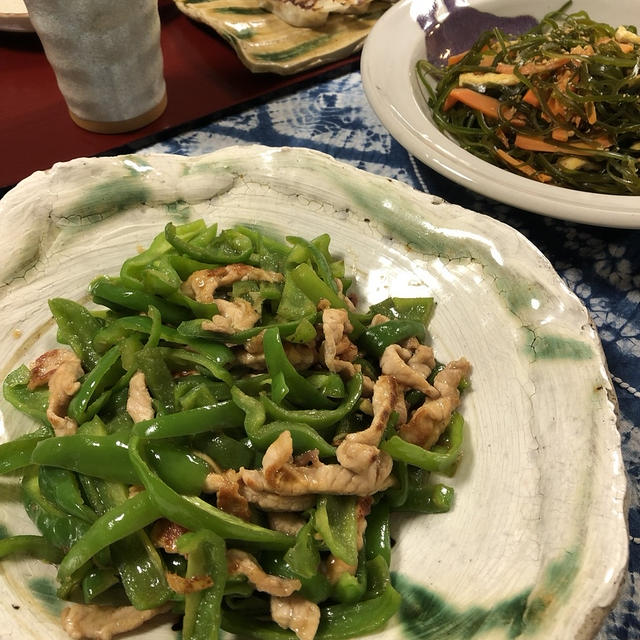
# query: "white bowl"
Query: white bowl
{"points": [[394, 92]]}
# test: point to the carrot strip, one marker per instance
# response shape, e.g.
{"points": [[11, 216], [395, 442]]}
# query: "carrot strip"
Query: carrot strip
{"points": [[501, 67], [500, 134], [560, 134], [531, 98], [456, 57], [527, 169], [531, 143], [449, 101], [556, 107], [483, 103]]}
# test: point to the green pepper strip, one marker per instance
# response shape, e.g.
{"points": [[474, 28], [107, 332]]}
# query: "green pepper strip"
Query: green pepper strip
{"points": [[16, 454], [219, 353], [107, 457], [76, 327], [99, 456], [304, 557], [32, 546], [319, 419], [376, 339], [114, 295], [181, 469], [206, 554], [159, 277], [378, 576], [304, 437], [117, 523], [59, 528], [301, 391], [337, 622], [378, 533], [81, 408], [315, 588], [224, 450], [398, 449], [97, 582], [185, 266], [254, 413], [335, 520], [193, 329], [132, 268], [430, 498], [316, 289], [198, 309], [330, 384], [60, 486], [308, 281], [352, 588], [194, 513], [30, 402], [136, 560], [158, 378], [317, 257], [420, 309], [397, 494], [212, 254], [183, 356], [155, 330], [263, 435], [215, 417], [134, 557], [346, 620]]}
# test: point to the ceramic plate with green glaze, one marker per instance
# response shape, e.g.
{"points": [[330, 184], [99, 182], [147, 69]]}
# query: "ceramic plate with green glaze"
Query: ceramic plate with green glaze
{"points": [[265, 43], [536, 545]]}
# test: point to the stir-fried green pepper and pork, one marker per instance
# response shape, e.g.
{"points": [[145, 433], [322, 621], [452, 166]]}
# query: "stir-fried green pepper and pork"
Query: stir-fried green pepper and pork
{"points": [[225, 441]]}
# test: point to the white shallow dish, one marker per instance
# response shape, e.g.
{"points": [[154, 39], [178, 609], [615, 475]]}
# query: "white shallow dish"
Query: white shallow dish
{"points": [[391, 86], [537, 537], [14, 16]]}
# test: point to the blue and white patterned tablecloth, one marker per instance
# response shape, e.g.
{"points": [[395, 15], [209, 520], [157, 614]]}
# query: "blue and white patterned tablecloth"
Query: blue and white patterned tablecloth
{"points": [[601, 266]]}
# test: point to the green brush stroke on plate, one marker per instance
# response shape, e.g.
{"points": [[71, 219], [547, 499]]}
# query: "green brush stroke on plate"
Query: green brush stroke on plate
{"points": [[425, 615], [550, 347], [180, 209], [44, 589], [555, 586], [240, 11], [294, 52], [108, 198]]}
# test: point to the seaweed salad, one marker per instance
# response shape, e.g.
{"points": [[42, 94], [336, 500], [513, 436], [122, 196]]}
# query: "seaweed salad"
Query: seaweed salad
{"points": [[559, 104]]}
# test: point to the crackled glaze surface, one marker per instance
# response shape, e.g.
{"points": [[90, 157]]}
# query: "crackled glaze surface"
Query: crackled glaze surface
{"points": [[536, 544], [265, 43]]}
